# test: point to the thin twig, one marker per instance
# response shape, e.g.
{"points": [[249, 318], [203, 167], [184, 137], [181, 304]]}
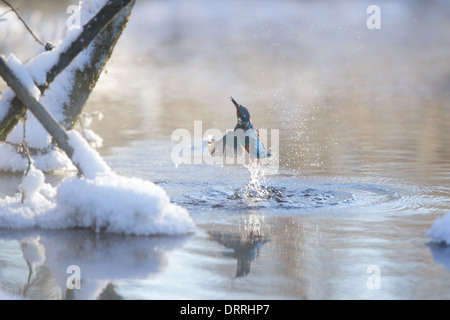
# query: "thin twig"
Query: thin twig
{"points": [[27, 153], [24, 23], [53, 127], [4, 13]]}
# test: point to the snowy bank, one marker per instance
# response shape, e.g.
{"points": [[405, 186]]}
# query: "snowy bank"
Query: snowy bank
{"points": [[440, 229], [105, 200], [101, 200]]}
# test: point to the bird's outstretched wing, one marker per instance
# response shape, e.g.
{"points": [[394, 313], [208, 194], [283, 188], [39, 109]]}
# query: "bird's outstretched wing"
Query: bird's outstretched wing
{"points": [[235, 145], [227, 146]]}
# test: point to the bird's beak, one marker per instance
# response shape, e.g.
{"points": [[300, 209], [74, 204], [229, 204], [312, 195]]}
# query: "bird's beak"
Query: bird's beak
{"points": [[234, 102]]}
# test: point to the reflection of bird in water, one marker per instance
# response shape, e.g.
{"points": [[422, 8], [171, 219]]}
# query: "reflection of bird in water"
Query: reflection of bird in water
{"points": [[246, 247], [245, 136]]}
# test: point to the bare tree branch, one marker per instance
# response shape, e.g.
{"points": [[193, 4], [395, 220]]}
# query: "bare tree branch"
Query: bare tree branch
{"points": [[53, 127], [24, 23], [99, 24]]}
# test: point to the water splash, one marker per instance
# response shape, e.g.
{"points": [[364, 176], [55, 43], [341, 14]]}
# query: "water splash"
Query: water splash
{"points": [[257, 188]]}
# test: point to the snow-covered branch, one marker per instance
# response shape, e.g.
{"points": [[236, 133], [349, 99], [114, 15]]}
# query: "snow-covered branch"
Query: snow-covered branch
{"points": [[98, 36]]}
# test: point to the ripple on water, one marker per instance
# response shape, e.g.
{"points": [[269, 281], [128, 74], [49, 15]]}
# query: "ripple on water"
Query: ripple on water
{"points": [[287, 195]]}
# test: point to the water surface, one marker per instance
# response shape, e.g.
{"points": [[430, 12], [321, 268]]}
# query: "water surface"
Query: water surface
{"points": [[364, 168]]}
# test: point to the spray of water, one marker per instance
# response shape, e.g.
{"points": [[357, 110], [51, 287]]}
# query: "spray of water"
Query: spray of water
{"points": [[257, 188]]}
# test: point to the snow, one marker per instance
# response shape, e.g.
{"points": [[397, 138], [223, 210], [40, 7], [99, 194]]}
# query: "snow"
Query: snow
{"points": [[105, 200], [89, 160], [122, 205], [7, 97], [54, 98], [95, 141], [440, 229], [85, 121], [11, 160], [23, 76], [101, 199], [35, 134], [32, 183]]}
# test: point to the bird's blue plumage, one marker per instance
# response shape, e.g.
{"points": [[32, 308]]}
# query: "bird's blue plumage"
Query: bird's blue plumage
{"points": [[245, 136]]}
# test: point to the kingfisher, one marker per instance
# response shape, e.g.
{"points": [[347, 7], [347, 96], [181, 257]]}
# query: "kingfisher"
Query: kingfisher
{"points": [[244, 137]]}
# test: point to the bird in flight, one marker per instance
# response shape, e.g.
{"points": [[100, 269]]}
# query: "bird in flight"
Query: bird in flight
{"points": [[244, 137]]}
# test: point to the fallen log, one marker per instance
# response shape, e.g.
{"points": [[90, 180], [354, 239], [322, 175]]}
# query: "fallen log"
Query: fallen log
{"points": [[100, 34], [50, 124]]}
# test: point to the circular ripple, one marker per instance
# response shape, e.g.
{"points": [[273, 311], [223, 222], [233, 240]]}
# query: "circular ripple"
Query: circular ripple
{"points": [[288, 197]]}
